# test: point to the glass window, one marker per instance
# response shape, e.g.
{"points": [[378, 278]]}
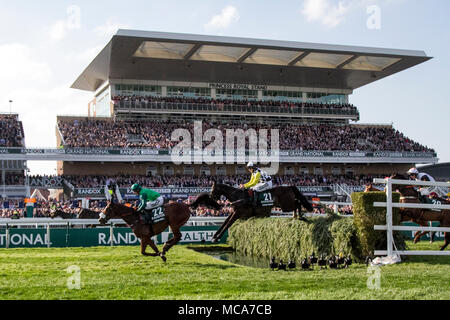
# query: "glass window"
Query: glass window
{"points": [[294, 96], [220, 171], [304, 170], [188, 170], [289, 171], [336, 170], [189, 92], [349, 171]]}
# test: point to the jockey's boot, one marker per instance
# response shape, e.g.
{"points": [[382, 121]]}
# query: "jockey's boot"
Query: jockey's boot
{"points": [[147, 217], [250, 196], [255, 199]]}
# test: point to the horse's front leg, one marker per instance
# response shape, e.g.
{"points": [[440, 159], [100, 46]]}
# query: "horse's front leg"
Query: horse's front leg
{"points": [[214, 239], [416, 237], [218, 235], [447, 240], [144, 243]]}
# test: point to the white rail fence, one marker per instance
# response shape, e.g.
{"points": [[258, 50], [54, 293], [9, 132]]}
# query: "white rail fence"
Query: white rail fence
{"points": [[390, 228]]}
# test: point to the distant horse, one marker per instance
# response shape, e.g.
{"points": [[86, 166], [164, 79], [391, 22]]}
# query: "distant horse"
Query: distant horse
{"points": [[176, 215], [59, 213], [88, 214], [288, 198], [418, 215], [370, 188]]}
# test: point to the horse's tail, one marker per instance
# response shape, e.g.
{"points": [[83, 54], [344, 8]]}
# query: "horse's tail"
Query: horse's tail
{"points": [[206, 200], [302, 199]]}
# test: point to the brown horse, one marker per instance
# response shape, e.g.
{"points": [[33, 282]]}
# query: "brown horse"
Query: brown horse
{"points": [[288, 198], [420, 216], [176, 215], [370, 188], [88, 214], [59, 213]]}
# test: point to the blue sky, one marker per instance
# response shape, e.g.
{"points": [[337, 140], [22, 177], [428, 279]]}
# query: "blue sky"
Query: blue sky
{"points": [[45, 45]]}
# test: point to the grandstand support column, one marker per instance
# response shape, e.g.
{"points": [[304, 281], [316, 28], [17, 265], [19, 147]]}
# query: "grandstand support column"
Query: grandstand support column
{"points": [[27, 182], [29, 205], [4, 184]]}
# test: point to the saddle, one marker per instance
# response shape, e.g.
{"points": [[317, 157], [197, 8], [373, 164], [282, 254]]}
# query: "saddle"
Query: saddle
{"points": [[154, 215], [259, 199], [433, 200]]}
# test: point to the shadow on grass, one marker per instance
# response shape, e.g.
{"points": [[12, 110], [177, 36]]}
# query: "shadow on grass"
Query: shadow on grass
{"points": [[210, 248], [215, 266]]}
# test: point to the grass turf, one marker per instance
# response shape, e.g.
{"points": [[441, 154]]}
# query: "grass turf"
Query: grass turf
{"points": [[122, 273]]}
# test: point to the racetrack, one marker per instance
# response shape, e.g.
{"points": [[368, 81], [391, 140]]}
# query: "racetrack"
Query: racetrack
{"points": [[122, 273]]}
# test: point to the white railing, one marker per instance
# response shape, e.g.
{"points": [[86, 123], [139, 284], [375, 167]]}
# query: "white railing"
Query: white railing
{"points": [[390, 228]]}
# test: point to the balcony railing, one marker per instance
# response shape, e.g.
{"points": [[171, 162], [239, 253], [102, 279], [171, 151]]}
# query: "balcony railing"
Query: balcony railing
{"points": [[225, 108]]}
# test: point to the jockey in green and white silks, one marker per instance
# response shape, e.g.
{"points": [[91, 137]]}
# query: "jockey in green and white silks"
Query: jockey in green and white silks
{"points": [[149, 199]]}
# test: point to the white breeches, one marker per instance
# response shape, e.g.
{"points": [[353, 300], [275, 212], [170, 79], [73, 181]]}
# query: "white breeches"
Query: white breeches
{"points": [[156, 203], [262, 186]]}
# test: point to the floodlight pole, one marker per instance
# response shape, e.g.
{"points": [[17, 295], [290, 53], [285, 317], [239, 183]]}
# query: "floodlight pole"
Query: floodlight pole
{"points": [[10, 106]]}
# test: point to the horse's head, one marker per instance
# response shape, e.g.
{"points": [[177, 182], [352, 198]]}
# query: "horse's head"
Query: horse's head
{"points": [[107, 213], [114, 210], [368, 188], [54, 213]]}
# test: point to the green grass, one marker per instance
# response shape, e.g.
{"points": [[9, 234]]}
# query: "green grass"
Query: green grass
{"points": [[122, 273]]}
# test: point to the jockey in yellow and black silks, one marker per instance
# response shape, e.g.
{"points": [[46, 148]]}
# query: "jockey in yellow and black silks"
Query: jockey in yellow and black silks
{"points": [[259, 181]]}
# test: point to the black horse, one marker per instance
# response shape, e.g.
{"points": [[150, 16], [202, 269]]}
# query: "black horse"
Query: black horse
{"points": [[288, 198]]}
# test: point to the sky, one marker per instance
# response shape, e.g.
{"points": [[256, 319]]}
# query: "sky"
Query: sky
{"points": [[45, 45]]}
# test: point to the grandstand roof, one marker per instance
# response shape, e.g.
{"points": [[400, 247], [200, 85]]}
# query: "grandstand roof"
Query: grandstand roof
{"points": [[149, 55]]}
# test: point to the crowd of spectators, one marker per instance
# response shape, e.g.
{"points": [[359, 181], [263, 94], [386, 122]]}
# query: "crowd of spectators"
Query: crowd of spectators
{"points": [[221, 103], [42, 209], [157, 135], [124, 181], [11, 131]]}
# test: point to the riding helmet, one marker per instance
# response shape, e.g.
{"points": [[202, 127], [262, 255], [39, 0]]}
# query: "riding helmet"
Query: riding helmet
{"points": [[136, 187]]}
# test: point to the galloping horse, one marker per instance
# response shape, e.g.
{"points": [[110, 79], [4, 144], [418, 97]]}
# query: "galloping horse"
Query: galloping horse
{"points": [[176, 215], [288, 198], [418, 215]]}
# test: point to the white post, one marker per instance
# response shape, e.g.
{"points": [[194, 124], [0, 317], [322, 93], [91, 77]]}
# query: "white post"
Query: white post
{"points": [[335, 207], [111, 234], [389, 217], [48, 235], [7, 236]]}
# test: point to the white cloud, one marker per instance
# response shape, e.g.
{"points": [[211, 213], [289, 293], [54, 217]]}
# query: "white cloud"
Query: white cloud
{"points": [[85, 56], [324, 12], [58, 30], [20, 68], [227, 16], [109, 28], [29, 83]]}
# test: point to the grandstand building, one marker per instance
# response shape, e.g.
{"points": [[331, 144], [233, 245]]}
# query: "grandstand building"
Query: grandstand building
{"points": [[147, 84]]}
